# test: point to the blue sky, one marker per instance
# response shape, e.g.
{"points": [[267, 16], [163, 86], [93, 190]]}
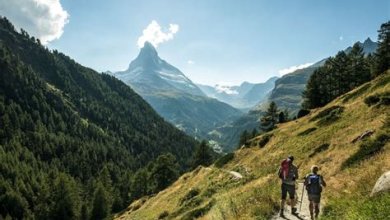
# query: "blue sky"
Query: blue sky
{"points": [[218, 41]]}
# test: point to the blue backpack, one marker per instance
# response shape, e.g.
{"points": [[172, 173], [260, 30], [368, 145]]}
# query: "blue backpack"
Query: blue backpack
{"points": [[313, 184]]}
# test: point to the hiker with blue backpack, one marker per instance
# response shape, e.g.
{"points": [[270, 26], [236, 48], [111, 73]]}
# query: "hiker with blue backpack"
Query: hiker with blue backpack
{"points": [[313, 184], [288, 173]]}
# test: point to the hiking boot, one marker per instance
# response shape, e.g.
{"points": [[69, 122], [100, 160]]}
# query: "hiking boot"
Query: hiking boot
{"points": [[281, 213], [294, 211]]}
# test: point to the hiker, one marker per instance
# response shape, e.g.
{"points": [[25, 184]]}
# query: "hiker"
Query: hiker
{"points": [[288, 173], [314, 183]]}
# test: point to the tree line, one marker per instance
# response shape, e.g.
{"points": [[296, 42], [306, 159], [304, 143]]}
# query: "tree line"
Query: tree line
{"points": [[346, 71]]}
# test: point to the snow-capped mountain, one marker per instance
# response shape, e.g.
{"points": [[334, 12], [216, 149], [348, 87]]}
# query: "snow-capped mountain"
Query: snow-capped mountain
{"points": [[173, 95], [244, 96], [148, 73]]}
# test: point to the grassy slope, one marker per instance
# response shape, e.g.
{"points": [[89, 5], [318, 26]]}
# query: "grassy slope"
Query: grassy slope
{"points": [[213, 193]]}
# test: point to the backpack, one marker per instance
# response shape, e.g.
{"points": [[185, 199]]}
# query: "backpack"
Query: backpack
{"points": [[284, 169], [313, 184]]}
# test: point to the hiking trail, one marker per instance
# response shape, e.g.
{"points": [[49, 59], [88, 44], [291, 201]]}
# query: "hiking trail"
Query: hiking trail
{"points": [[304, 214]]}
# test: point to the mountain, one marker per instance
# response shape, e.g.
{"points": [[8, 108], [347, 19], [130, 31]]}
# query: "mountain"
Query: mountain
{"points": [[244, 184], [149, 74], [287, 94], [288, 89], [70, 136], [244, 96], [173, 95], [369, 46]]}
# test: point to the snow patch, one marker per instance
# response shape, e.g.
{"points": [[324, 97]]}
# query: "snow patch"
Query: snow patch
{"points": [[225, 89]]}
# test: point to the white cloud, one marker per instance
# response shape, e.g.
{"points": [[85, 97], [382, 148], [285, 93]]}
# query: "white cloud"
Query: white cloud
{"points": [[155, 35], [190, 62], [44, 19], [293, 68]]}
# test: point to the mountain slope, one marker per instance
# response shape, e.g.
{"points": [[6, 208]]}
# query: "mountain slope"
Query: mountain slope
{"points": [[324, 137], [288, 89], [173, 95], [66, 130]]}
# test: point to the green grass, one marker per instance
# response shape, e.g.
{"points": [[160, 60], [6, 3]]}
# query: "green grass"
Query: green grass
{"points": [[368, 149], [224, 160], [307, 131], [328, 115], [356, 93], [321, 148], [358, 207]]}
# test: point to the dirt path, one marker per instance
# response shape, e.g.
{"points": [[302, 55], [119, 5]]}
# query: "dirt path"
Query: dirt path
{"points": [[304, 214]]}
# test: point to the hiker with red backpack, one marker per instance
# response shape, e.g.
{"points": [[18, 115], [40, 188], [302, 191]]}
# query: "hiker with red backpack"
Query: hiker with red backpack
{"points": [[288, 173], [314, 183]]}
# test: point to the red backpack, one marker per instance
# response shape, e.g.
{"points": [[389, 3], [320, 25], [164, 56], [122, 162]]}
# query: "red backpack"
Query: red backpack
{"points": [[283, 171]]}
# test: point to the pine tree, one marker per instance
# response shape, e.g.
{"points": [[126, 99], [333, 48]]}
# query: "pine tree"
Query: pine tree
{"points": [[66, 198], [383, 52], [139, 184], [243, 138], [358, 68], [202, 155], [254, 133], [101, 206], [269, 120], [164, 172]]}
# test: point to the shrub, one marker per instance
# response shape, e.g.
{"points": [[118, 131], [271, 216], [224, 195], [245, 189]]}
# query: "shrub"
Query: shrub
{"points": [[307, 131], [321, 148], [367, 149], [380, 99], [191, 194], [264, 140], [163, 215], [302, 113], [371, 100], [328, 115], [326, 112], [198, 212], [224, 160]]}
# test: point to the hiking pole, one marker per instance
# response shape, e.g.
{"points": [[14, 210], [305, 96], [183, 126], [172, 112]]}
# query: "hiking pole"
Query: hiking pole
{"points": [[303, 191]]}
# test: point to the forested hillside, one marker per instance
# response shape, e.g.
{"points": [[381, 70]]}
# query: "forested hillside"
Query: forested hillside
{"points": [[76, 144]]}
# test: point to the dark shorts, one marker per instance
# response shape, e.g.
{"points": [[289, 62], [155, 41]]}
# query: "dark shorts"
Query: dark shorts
{"points": [[314, 198], [290, 189]]}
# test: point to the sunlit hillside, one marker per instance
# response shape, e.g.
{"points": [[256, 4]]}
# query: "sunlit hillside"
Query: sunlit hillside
{"points": [[324, 137]]}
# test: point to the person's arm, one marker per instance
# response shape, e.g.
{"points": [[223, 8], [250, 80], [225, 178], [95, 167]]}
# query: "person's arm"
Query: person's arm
{"points": [[296, 173], [305, 181], [323, 183]]}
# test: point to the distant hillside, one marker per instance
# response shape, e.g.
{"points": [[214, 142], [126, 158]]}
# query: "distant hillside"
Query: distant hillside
{"points": [[71, 139], [244, 96], [173, 95], [288, 89], [324, 137]]}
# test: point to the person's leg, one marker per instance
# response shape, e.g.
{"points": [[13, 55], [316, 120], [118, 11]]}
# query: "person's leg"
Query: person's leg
{"points": [[283, 200], [316, 209], [311, 209], [291, 193]]}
